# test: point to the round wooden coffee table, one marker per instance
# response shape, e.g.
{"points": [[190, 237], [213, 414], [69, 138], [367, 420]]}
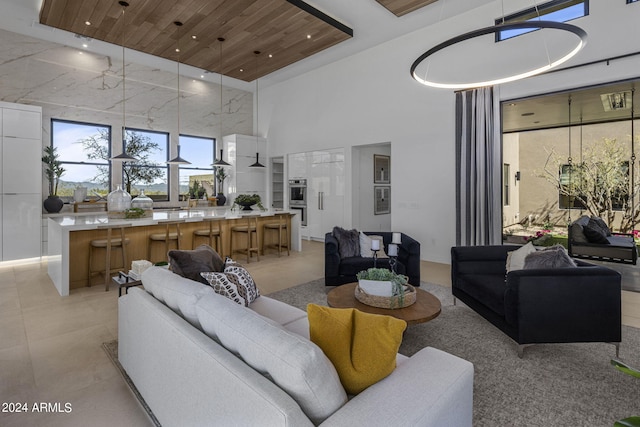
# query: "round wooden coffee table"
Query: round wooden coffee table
{"points": [[426, 307]]}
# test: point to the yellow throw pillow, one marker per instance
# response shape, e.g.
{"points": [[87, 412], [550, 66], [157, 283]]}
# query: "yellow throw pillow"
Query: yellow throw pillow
{"points": [[361, 346]]}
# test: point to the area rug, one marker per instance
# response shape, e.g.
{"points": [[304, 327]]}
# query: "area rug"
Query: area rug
{"points": [[552, 385]]}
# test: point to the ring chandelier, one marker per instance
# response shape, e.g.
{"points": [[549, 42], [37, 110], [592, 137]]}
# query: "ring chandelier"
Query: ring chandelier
{"points": [[496, 29]]}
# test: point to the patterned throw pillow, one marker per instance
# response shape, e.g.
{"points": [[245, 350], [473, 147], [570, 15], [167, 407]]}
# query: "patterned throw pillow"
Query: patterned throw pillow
{"points": [[234, 283]]}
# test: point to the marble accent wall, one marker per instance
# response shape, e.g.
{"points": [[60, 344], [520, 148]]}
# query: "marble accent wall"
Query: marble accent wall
{"points": [[87, 87]]}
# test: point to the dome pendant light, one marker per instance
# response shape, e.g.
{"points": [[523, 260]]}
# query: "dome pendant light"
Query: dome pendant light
{"points": [[257, 164], [178, 160], [123, 157], [220, 162]]}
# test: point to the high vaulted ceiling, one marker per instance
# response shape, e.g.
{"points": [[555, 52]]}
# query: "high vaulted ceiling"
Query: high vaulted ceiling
{"points": [[282, 31], [402, 7]]}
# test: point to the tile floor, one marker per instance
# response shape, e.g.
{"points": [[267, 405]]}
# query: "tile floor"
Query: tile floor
{"points": [[50, 346]]}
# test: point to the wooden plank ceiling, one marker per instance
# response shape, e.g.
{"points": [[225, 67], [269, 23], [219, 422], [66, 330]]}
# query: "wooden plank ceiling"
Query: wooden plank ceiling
{"points": [[284, 31], [402, 7]]}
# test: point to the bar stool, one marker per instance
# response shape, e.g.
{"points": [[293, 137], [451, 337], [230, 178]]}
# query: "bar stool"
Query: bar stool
{"points": [[109, 243], [279, 227], [167, 237], [250, 230], [214, 234]]}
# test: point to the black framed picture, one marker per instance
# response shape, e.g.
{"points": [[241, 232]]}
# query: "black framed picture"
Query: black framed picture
{"points": [[381, 169], [382, 198]]}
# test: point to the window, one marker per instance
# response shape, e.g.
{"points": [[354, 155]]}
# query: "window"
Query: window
{"points": [[567, 197], [150, 173], [632, 1], [556, 11], [84, 153], [506, 174], [200, 152]]}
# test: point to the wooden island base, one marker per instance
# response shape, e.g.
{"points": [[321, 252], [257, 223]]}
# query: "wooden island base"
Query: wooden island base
{"points": [[74, 258]]}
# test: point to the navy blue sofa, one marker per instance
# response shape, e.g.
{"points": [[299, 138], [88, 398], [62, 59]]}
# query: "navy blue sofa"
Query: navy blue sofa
{"points": [[535, 306]]}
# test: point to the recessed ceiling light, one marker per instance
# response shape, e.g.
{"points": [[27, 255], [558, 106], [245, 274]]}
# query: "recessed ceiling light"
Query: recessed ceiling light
{"points": [[87, 22], [80, 53], [241, 70], [202, 76], [270, 56], [177, 50], [85, 45], [308, 36], [194, 37]]}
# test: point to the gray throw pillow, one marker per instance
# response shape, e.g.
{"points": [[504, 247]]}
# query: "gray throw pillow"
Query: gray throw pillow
{"points": [[190, 264], [603, 225], [348, 242], [553, 257], [577, 233], [594, 233]]}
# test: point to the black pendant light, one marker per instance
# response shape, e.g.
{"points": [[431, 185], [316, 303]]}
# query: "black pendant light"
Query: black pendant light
{"points": [[221, 161], [178, 160], [123, 157], [257, 164]]}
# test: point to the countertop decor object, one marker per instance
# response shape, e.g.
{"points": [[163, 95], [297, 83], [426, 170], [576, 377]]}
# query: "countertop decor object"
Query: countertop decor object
{"points": [[53, 171], [383, 288], [118, 202], [246, 201]]}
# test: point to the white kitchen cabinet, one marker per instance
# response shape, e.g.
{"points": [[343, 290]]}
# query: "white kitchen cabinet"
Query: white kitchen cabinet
{"points": [[325, 191], [241, 151], [21, 226], [22, 121], [297, 165], [20, 181], [21, 165]]}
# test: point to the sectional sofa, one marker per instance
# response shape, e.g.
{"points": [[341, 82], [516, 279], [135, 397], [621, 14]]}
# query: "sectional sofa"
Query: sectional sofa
{"points": [[197, 358]]}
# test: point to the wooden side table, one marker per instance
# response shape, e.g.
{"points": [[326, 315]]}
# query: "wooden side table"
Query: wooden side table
{"points": [[426, 307]]}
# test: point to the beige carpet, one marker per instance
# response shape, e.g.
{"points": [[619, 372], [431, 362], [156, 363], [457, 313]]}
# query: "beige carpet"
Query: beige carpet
{"points": [[553, 385]]}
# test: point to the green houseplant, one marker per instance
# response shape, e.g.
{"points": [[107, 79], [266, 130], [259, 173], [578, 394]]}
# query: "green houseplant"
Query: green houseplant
{"points": [[248, 200], [221, 175], [389, 283], [53, 170], [622, 367]]}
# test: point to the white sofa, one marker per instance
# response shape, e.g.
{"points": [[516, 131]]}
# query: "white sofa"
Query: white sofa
{"points": [[267, 373]]}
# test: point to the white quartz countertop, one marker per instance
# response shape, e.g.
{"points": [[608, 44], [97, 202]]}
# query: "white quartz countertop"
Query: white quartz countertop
{"points": [[74, 222]]}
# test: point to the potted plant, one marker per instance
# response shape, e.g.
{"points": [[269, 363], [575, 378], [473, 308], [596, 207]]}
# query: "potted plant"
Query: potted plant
{"points": [[622, 367], [53, 170], [196, 191], [246, 201], [221, 175], [382, 282]]}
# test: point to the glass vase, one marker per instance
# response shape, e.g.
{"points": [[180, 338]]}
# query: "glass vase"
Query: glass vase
{"points": [[118, 200], [142, 201]]}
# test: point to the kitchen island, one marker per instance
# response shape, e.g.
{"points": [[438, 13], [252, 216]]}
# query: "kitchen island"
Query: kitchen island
{"points": [[69, 237]]}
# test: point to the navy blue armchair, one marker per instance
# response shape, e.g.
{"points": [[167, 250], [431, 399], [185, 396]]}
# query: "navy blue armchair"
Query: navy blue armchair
{"points": [[339, 271]]}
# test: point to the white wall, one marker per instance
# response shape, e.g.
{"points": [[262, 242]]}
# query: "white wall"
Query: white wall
{"points": [[363, 194], [88, 88], [371, 97]]}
